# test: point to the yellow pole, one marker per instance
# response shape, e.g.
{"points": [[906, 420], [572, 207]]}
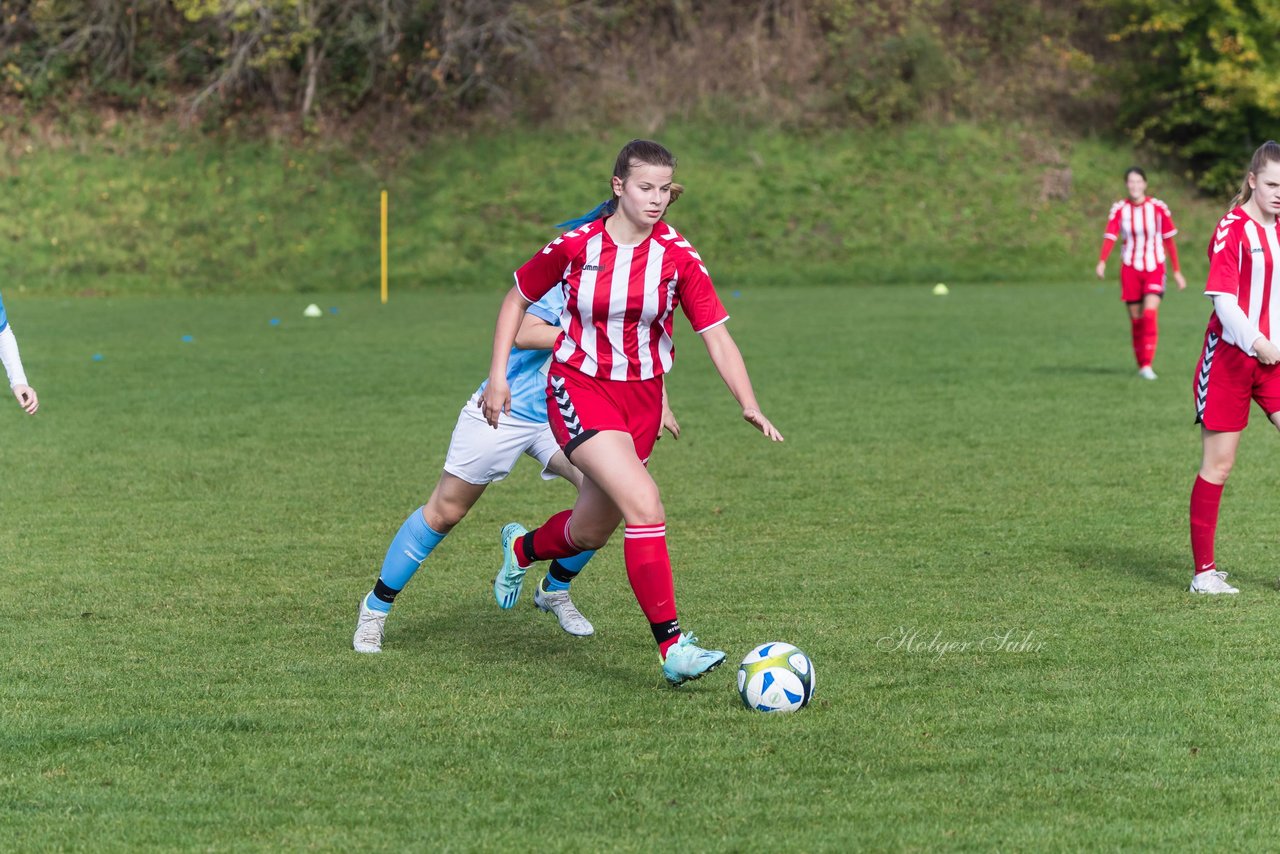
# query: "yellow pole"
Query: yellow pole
{"points": [[384, 247]]}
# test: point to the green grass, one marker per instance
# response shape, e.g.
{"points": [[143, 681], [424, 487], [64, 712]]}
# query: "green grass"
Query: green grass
{"points": [[187, 528], [146, 210]]}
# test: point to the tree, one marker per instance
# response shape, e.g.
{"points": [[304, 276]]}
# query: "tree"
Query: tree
{"points": [[1202, 81]]}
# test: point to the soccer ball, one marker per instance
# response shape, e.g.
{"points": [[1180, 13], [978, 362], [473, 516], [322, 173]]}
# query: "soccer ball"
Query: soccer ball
{"points": [[775, 677]]}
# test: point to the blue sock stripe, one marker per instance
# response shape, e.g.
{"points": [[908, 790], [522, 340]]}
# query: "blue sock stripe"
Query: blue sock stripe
{"points": [[574, 564], [568, 568]]}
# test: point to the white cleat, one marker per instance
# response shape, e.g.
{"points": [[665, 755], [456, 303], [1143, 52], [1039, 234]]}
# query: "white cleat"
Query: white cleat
{"points": [[559, 603], [1146, 373], [1213, 581], [369, 628]]}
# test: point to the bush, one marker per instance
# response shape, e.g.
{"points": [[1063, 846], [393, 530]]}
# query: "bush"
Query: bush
{"points": [[1202, 82], [832, 62]]}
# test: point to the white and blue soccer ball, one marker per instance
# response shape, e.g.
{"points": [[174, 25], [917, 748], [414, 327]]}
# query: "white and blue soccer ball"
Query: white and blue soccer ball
{"points": [[775, 677]]}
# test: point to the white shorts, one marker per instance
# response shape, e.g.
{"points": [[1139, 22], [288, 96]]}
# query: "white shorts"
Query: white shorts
{"points": [[480, 454]]}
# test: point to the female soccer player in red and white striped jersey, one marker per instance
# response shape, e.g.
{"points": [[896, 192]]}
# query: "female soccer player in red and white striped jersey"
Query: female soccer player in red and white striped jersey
{"points": [[625, 273], [1146, 229], [1239, 362]]}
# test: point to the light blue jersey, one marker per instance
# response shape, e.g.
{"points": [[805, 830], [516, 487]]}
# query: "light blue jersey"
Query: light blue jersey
{"points": [[527, 369], [4, 323]]}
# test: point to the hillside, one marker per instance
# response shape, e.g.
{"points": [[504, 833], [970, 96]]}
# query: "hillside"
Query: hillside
{"points": [[155, 211]]}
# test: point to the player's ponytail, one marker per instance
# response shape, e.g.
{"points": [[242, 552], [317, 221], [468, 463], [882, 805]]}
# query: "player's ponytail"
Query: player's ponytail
{"points": [[1268, 152], [603, 209], [635, 153]]}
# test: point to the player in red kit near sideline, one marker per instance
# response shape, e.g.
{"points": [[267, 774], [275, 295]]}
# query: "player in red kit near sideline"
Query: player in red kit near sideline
{"points": [[625, 271], [1146, 229], [1239, 360]]}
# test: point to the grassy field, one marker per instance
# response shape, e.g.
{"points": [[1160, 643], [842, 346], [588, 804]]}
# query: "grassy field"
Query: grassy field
{"points": [[152, 211], [976, 528]]}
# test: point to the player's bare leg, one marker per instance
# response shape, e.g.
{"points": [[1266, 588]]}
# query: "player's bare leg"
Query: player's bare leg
{"points": [[616, 487], [450, 501], [1219, 455], [560, 466]]}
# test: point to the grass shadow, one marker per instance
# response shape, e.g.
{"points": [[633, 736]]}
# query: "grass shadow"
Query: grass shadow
{"points": [[1086, 370], [521, 637], [1161, 567]]}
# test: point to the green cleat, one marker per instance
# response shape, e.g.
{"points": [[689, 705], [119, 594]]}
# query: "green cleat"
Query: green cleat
{"points": [[685, 661], [510, 579]]}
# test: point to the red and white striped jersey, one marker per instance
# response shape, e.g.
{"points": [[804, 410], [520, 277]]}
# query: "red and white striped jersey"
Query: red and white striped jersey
{"points": [[1143, 228], [1242, 263], [617, 314]]}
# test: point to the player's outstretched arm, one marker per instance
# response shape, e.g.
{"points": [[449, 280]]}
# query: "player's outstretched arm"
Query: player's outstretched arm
{"points": [[536, 334], [727, 358], [496, 398], [1109, 237]]}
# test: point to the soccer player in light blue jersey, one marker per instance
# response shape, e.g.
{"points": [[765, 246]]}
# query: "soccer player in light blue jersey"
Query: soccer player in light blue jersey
{"points": [[12, 362], [479, 455]]}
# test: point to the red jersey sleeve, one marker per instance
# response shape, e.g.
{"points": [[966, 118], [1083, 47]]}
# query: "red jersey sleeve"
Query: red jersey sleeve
{"points": [[1224, 260], [697, 295], [1171, 249], [1111, 232], [1169, 228], [545, 270]]}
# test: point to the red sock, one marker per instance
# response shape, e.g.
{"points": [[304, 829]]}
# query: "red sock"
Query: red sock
{"points": [[1205, 498], [649, 571], [1150, 334], [1135, 331], [548, 541]]}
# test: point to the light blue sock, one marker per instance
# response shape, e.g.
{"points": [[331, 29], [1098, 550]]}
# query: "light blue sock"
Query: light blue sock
{"points": [[563, 570], [410, 547]]}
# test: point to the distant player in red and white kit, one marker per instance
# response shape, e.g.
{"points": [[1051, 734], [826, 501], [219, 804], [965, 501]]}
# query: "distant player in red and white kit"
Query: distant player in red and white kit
{"points": [[1239, 362], [625, 273], [1145, 227]]}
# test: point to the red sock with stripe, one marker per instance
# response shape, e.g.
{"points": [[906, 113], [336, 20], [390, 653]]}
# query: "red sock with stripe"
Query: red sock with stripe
{"points": [[548, 541], [649, 571], [1205, 499], [1135, 332], [1150, 334]]}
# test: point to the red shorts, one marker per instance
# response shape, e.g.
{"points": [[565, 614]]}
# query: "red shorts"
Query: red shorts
{"points": [[1226, 379], [579, 406], [1136, 284]]}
